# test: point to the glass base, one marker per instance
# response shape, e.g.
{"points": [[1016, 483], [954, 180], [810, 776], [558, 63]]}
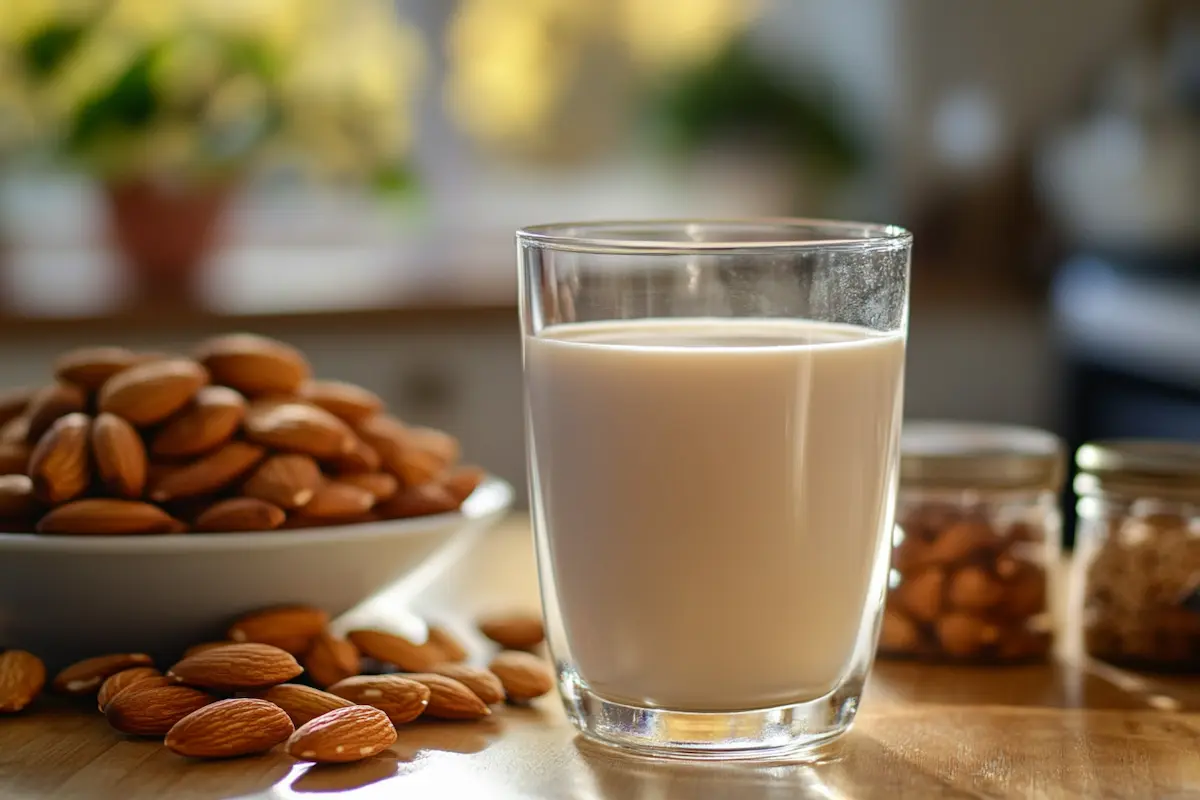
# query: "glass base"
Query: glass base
{"points": [[796, 732]]}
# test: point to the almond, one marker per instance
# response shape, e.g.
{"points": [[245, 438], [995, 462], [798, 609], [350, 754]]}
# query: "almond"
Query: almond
{"points": [[386, 436], [331, 659], [16, 497], [514, 631], [523, 675], [391, 648], [120, 456], [102, 516], [16, 431], [361, 458], [298, 428], [417, 501], [380, 484], [150, 392], [200, 648], [60, 464], [449, 698], [230, 728], [90, 367], [120, 681], [399, 696], [288, 481], [248, 665], [151, 708], [426, 454], [342, 735], [461, 482], [484, 684], [345, 400], [22, 676], [14, 458], [13, 403], [290, 628], [48, 405], [254, 365], [240, 514], [336, 501], [447, 644], [85, 677], [212, 418], [206, 475], [303, 703]]}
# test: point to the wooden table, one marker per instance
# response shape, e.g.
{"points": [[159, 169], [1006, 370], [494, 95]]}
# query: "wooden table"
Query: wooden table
{"points": [[1067, 730]]}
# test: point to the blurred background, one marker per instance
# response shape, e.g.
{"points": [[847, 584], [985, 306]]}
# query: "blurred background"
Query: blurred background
{"points": [[347, 175]]}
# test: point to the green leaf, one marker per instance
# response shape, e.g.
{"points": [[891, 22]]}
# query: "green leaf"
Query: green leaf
{"points": [[46, 50], [128, 103]]}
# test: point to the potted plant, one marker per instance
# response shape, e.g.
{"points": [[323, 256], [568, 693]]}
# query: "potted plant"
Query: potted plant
{"points": [[171, 105]]}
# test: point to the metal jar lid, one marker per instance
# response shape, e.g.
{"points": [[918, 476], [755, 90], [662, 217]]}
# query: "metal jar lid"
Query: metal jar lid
{"points": [[968, 455], [1137, 468]]}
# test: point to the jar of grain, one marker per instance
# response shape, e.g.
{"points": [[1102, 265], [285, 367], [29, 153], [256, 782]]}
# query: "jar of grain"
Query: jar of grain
{"points": [[978, 533], [1136, 590]]}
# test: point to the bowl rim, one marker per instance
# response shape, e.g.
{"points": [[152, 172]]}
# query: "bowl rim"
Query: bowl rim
{"points": [[492, 497]]}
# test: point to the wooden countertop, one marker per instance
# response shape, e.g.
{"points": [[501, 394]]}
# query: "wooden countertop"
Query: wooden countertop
{"points": [[1060, 731]]}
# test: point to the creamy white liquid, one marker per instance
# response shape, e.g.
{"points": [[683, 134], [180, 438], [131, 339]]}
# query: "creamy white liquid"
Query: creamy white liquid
{"points": [[715, 496]]}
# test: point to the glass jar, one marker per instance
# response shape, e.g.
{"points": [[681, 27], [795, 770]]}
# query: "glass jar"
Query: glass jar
{"points": [[1136, 589], [978, 531]]}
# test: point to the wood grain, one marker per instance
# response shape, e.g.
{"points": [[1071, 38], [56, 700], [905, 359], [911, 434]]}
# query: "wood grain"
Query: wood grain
{"points": [[1062, 731]]}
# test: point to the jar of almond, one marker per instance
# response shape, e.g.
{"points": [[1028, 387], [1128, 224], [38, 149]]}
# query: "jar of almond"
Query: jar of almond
{"points": [[1136, 587], [978, 531]]}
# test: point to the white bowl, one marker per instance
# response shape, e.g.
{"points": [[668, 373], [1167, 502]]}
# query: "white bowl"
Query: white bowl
{"points": [[70, 597]]}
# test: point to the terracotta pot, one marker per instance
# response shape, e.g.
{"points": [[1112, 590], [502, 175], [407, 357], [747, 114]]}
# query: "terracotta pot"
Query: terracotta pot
{"points": [[166, 233]]}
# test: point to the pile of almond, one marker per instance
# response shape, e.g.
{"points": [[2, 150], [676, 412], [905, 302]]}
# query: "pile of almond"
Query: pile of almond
{"points": [[237, 437], [241, 696]]}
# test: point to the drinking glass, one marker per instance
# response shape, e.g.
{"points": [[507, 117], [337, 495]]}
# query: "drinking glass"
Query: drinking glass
{"points": [[713, 413]]}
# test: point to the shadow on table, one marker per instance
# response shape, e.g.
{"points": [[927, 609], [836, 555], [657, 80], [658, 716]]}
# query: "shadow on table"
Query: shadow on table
{"points": [[344, 777]]}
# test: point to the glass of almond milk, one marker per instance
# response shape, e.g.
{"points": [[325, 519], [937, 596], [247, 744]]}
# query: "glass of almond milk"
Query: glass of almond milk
{"points": [[713, 415]]}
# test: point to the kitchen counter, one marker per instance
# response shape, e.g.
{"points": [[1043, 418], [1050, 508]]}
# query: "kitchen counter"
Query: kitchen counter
{"points": [[1070, 729]]}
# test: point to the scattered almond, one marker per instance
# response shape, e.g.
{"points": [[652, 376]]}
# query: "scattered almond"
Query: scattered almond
{"points": [[247, 665], [290, 628], [345, 400], [151, 708], [16, 497], [417, 501], [22, 676], [60, 464], [484, 684], [449, 698], [48, 405], [212, 418], [120, 456], [331, 659], [90, 367], [448, 645], [16, 431], [342, 735], [303, 703], [102, 516], [85, 677], [514, 631], [338, 501], [14, 457], [150, 392], [206, 475], [462, 481], [399, 696], [392, 648], [523, 675], [240, 514], [230, 728], [381, 485], [298, 428], [13, 403], [254, 365], [289, 481], [117, 682]]}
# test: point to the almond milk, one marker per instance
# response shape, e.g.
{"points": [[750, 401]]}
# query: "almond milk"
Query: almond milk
{"points": [[716, 495]]}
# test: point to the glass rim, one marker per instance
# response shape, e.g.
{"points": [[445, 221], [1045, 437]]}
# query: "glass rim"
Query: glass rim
{"points": [[824, 235]]}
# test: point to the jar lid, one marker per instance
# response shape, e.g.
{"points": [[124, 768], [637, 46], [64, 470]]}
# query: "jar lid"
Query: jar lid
{"points": [[1139, 468], [967, 455]]}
